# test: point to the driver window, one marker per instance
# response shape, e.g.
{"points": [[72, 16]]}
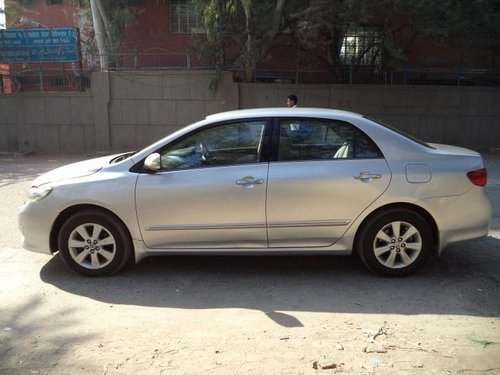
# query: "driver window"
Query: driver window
{"points": [[221, 145]]}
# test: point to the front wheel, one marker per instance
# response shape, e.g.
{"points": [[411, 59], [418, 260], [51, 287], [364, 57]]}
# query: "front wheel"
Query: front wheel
{"points": [[395, 242], [94, 243]]}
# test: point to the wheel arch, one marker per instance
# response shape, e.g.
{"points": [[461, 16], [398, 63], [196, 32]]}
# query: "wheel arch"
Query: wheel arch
{"points": [[70, 211], [395, 206]]}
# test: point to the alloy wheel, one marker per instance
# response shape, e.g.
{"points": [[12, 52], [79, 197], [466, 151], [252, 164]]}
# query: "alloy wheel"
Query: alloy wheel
{"points": [[397, 244], [92, 246]]}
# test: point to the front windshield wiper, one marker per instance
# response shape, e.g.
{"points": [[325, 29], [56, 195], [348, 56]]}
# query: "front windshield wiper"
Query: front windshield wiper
{"points": [[122, 157]]}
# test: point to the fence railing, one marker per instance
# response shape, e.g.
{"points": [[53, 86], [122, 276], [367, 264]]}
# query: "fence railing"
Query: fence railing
{"points": [[365, 75], [143, 61], [44, 80], [38, 77]]}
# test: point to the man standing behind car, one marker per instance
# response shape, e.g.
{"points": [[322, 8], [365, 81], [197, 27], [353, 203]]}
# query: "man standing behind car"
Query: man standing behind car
{"points": [[291, 101]]}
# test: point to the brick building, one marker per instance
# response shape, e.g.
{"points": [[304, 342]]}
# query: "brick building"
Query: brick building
{"points": [[163, 31]]}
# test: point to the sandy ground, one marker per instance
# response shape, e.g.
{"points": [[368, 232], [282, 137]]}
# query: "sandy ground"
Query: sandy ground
{"points": [[245, 315]]}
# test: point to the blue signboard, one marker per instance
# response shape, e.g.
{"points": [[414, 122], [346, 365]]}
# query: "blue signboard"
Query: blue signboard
{"points": [[38, 45]]}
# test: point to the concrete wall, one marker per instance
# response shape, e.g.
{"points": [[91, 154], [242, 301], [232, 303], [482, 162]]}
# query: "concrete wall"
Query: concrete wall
{"points": [[145, 107], [123, 111], [128, 110], [463, 116], [48, 123]]}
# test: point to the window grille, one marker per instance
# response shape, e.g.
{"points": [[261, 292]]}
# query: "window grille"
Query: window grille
{"points": [[27, 3], [361, 47], [183, 17]]}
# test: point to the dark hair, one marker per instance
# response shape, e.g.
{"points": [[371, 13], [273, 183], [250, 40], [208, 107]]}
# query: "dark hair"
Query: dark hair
{"points": [[293, 98]]}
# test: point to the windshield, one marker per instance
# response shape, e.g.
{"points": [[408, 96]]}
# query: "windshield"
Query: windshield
{"points": [[400, 132]]}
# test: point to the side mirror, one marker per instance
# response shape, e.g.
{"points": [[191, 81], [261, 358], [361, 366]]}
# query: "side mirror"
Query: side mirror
{"points": [[153, 162]]}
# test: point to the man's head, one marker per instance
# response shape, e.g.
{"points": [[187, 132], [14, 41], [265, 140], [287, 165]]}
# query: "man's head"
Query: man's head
{"points": [[291, 100]]}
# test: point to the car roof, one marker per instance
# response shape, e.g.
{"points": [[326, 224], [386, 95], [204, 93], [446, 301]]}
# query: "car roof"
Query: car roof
{"points": [[280, 112]]}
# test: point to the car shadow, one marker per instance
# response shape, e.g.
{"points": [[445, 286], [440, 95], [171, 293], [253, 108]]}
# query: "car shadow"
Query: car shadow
{"points": [[463, 281]]}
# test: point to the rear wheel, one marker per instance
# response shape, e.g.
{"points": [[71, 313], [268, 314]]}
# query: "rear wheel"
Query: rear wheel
{"points": [[395, 242], [94, 243]]}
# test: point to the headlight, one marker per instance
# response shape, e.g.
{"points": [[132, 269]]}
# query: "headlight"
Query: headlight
{"points": [[37, 193]]}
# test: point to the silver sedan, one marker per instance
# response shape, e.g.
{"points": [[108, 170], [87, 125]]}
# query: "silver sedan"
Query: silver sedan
{"points": [[263, 181]]}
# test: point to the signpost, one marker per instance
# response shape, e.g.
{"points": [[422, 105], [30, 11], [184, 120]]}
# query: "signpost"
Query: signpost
{"points": [[39, 45]]}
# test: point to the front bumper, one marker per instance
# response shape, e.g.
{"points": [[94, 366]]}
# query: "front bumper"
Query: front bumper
{"points": [[35, 223]]}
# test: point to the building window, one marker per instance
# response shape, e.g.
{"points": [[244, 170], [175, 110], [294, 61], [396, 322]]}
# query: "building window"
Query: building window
{"points": [[183, 17], [54, 2], [361, 47], [27, 3]]}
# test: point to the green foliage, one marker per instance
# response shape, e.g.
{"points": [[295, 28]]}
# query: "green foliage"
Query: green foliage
{"points": [[221, 22], [13, 12], [118, 16], [453, 22], [459, 24], [240, 30], [319, 27]]}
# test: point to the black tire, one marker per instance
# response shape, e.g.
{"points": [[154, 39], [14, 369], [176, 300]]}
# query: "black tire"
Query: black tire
{"points": [[395, 242], [94, 254]]}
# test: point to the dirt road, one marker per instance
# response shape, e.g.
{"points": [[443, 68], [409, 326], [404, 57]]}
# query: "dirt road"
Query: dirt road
{"points": [[245, 315]]}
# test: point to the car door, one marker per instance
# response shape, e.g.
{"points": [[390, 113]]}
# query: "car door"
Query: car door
{"points": [[324, 175], [210, 191]]}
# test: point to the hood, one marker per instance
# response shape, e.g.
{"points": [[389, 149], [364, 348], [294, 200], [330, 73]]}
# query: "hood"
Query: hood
{"points": [[74, 170]]}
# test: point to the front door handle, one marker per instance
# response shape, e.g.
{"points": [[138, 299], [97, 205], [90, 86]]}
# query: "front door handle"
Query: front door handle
{"points": [[249, 181], [367, 176]]}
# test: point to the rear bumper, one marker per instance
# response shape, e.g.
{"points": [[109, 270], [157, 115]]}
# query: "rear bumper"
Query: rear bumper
{"points": [[462, 218]]}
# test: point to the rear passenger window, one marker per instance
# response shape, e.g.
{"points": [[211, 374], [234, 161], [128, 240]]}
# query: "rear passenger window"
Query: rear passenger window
{"points": [[318, 139]]}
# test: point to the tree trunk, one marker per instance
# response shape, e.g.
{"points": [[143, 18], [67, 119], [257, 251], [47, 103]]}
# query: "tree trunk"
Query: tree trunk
{"points": [[249, 57], [103, 34], [252, 51], [105, 22], [278, 14], [275, 28], [100, 38]]}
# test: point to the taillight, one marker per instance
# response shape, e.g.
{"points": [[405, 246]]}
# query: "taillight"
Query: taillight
{"points": [[478, 177]]}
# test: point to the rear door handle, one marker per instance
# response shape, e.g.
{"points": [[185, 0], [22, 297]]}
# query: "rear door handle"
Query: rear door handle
{"points": [[249, 181], [367, 176]]}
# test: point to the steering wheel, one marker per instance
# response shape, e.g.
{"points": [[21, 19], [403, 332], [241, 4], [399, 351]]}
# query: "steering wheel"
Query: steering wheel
{"points": [[204, 151]]}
